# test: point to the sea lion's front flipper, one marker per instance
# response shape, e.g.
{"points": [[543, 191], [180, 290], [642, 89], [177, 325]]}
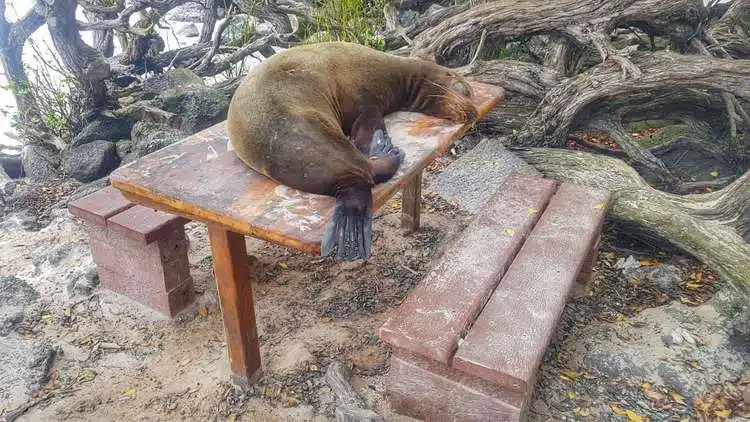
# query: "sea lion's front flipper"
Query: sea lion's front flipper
{"points": [[349, 233], [385, 167], [370, 135]]}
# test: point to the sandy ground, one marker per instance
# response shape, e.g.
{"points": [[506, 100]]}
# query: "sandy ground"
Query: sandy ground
{"points": [[116, 360]]}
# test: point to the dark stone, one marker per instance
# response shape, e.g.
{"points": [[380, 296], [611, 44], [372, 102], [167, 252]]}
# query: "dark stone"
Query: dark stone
{"points": [[198, 109], [41, 162], [665, 277], [15, 297], [612, 365], [124, 149], [189, 12], [103, 128], [83, 283], [90, 161], [82, 191], [11, 163], [150, 137], [175, 80], [39, 364], [189, 31]]}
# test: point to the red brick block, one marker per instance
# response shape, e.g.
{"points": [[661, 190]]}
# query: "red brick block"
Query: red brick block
{"points": [[143, 224], [428, 390], [141, 267], [440, 309], [168, 303], [140, 253], [508, 340], [97, 207]]}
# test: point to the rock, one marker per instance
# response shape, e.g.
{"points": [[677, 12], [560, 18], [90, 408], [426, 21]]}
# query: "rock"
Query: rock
{"points": [[613, 365], [241, 28], [189, 12], [688, 338], [409, 17], [175, 80], [84, 190], [629, 349], [665, 277], [16, 298], [198, 109], [150, 137], [11, 162], [474, 177], [83, 283], [746, 394], [103, 128], [672, 338], [39, 364], [124, 149], [627, 264], [41, 162], [90, 161], [7, 185], [189, 31], [25, 362]]}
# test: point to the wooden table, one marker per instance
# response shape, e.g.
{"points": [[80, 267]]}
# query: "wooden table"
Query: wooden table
{"points": [[200, 179]]}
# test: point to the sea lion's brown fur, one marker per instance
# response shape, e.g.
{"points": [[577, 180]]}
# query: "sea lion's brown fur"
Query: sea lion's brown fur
{"points": [[292, 118]]}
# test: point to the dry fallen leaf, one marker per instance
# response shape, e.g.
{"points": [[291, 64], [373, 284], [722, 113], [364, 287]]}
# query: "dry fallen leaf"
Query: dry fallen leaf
{"points": [[570, 375], [619, 411], [582, 412], [676, 396], [572, 395], [633, 417], [724, 414]]}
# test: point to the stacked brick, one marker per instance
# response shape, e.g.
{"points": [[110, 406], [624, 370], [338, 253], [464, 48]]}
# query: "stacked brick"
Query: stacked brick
{"points": [[139, 252]]}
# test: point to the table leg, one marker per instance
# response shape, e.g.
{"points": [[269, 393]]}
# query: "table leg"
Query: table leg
{"points": [[232, 271], [411, 204]]}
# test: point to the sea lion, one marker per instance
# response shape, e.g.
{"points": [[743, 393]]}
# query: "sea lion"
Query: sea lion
{"points": [[311, 118]]}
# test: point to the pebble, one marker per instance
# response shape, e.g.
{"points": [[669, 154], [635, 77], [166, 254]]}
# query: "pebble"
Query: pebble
{"points": [[672, 338], [688, 337]]}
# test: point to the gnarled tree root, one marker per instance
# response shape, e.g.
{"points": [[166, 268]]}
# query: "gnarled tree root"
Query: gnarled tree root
{"points": [[708, 226]]}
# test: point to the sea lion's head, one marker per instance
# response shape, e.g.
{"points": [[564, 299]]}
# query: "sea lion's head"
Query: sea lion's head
{"points": [[455, 98]]}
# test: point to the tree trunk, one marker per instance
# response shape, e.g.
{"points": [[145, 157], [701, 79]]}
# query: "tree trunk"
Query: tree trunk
{"points": [[83, 61], [12, 39], [209, 22], [709, 226]]}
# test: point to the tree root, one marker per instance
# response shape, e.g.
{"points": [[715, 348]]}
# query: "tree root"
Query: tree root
{"points": [[708, 226], [559, 111]]}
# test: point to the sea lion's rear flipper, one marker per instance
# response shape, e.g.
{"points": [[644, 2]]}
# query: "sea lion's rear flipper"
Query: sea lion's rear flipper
{"points": [[349, 233]]}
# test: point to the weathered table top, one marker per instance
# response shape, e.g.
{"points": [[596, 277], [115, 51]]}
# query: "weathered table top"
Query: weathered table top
{"points": [[199, 178]]}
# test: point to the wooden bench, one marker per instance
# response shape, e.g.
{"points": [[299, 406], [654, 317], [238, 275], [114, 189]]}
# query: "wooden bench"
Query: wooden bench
{"points": [[469, 338], [139, 252], [200, 179]]}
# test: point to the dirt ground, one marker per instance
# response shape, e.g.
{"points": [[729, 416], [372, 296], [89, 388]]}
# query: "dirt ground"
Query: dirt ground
{"points": [[116, 360]]}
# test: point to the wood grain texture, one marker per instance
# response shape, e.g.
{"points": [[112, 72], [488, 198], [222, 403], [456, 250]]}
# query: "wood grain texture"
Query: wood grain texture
{"points": [[443, 305], [411, 204], [507, 341], [232, 271], [199, 178]]}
